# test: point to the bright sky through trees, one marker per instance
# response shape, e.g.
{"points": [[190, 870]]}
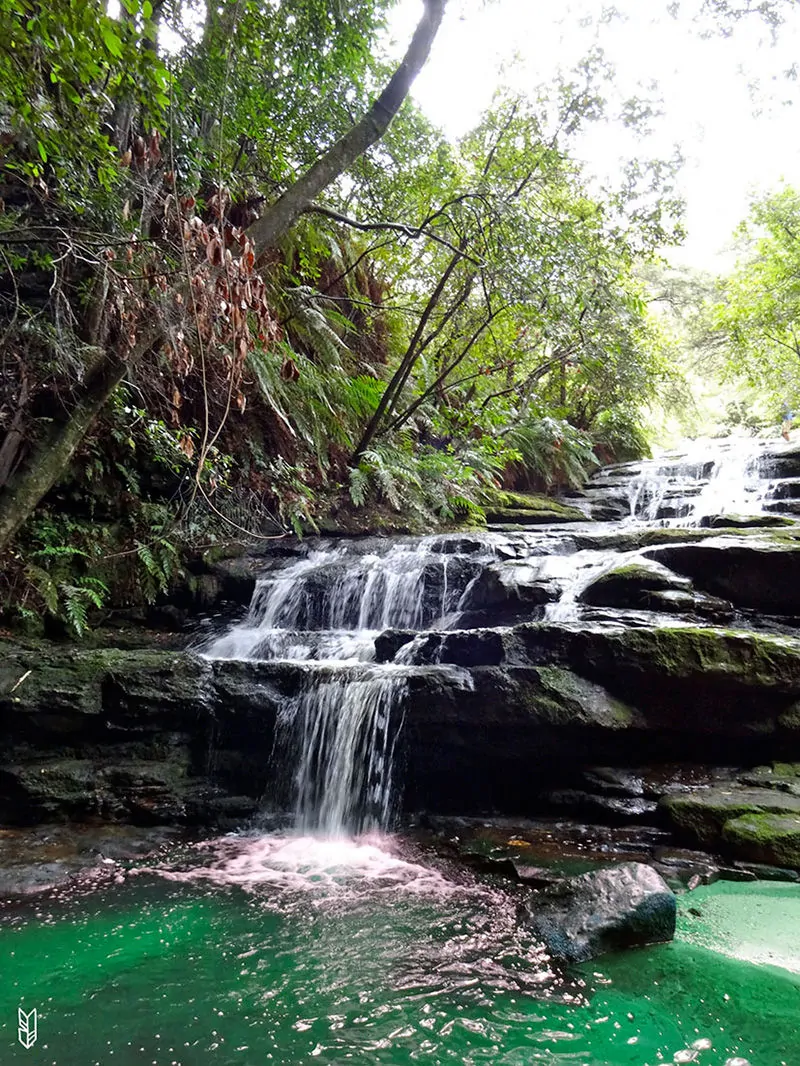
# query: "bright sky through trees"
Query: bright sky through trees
{"points": [[727, 102]]}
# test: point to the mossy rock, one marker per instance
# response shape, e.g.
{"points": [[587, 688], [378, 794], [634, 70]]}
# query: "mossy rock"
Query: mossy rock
{"points": [[632, 585], [566, 698], [633, 539], [768, 838], [745, 521], [705, 814], [761, 572], [524, 509]]}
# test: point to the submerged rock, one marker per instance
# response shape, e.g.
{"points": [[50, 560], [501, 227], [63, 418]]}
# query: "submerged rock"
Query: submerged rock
{"points": [[621, 907]]}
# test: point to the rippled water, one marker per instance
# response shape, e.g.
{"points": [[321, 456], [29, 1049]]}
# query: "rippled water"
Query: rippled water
{"points": [[276, 949]]}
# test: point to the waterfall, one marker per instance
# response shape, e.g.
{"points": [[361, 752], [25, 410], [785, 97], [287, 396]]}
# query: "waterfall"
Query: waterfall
{"points": [[337, 737], [713, 478], [343, 734]]}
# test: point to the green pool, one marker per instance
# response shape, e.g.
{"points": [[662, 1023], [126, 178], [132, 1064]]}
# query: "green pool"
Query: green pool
{"points": [[269, 949]]}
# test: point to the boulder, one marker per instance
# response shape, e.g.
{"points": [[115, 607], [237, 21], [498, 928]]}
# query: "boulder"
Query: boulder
{"points": [[622, 907], [632, 585], [761, 572], [773, 838]]}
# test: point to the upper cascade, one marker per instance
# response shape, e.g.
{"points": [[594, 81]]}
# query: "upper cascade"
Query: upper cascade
{"points": [[332, 603], [710, 478]]}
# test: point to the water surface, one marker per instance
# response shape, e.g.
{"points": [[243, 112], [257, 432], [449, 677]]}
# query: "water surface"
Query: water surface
{"points": [[276, 949]]}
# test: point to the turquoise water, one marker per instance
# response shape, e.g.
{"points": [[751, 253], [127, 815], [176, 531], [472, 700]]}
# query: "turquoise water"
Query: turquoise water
{"points": [[256, 950]]}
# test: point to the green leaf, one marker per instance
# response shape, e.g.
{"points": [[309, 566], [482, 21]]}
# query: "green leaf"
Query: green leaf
{"points": [[112, 41]]}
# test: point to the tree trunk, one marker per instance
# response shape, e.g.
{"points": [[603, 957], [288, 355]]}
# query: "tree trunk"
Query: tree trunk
{"points": [[48, 460], [279, 218]]}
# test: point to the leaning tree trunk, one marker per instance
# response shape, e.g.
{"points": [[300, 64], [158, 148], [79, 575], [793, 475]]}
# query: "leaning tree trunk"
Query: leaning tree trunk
{"points": [[298, 197], [49, 458]]}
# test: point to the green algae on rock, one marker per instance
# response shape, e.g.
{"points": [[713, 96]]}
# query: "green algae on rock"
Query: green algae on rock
{"points": [[528, 509]]}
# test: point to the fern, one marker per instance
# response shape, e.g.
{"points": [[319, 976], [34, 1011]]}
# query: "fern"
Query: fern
{"points": [[75, 608], [45, 586], [359, 486], [59, 551]]}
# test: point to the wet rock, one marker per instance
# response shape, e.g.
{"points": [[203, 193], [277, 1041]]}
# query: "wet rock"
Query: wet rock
{"points": [[682, 865], [610, 510], [526, 509], [389, 643], [756, 573], [771, 838], [758, 824], [587, 916], [632, 585], [617, 809], [780, 462], [736, 873], [744, 521], [788, 489], [764, 872], [670, 673], [49, 856], [676, 601], [785, 777], [508, 590]]}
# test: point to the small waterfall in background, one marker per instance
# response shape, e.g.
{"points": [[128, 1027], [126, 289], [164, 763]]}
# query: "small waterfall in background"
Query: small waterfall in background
{"points": [[713, 478]]}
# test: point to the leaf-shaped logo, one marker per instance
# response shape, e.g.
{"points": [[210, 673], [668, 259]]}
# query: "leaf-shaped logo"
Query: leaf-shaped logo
{"points": [[28, 1027]]}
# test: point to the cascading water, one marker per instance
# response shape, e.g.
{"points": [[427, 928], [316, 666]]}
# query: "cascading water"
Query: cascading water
{"points": [[712, 478], [343, 731], [326, 610]]}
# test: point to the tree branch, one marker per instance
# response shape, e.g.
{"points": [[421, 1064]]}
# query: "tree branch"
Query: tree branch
{"points": [[267, 230], [412, 232]]}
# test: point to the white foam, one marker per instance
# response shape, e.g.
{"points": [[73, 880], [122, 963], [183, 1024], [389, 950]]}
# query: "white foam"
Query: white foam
{"points": [[331, 865]]}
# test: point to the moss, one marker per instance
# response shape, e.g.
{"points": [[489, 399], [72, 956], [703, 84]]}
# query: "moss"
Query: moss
{"points": [[631, 540], [75, 680], [566, 697], [755, 659], [527, 508], [705, 814], [631, 585], [764, 837]]}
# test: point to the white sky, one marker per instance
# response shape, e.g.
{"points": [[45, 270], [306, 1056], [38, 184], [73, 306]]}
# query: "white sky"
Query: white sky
{"points": [[726, 101]]}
